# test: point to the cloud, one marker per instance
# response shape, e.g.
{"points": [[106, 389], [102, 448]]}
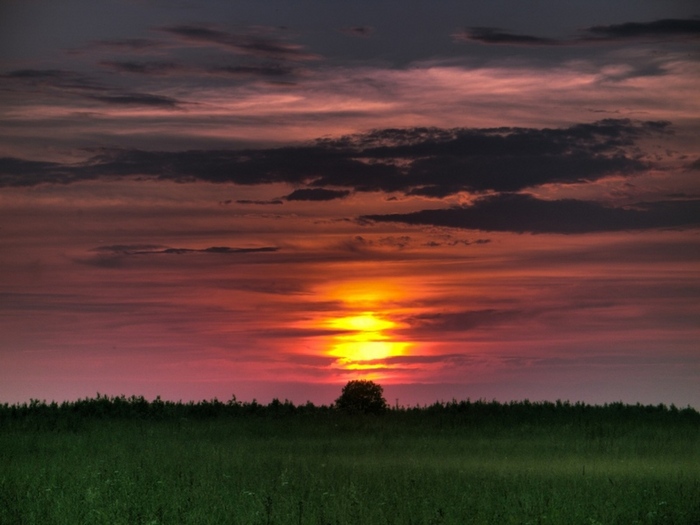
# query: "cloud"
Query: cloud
{"points": [[526, 214], [492, 35], [458, 321], [431, 162], [21, 172], [150, 249], [129, 45], [66, 83], [358, 31], [258, 44], [664, 29], [143, 67], [60, 79], [249, 201], [668, 28], [439, 162], [164, 68], [316, 194], [270, 70], [138, 99]]}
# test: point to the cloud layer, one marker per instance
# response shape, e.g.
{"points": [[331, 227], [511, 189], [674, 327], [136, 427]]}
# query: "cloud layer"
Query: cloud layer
{"points": [[522, 213], [415, 161]]}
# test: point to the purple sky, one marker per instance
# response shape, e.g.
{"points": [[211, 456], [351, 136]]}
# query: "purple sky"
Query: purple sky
{"points": [[267, 199]]}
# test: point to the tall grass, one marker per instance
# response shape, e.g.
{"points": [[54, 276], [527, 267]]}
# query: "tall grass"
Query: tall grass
{"points": [[439, 465]]}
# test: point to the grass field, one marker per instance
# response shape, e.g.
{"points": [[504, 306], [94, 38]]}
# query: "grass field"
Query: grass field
{"points": [[441, 465]]}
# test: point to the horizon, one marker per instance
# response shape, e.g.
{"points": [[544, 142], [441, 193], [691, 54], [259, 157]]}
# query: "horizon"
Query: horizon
{"points": [[268, 200]]}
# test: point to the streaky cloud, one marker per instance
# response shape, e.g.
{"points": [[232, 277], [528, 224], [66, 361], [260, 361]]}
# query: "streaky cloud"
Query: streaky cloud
{"points": [[458, 321], [138, 99], [493, 35], [259, 202], [69, 83], [148, 249], [273, 71], [316, 194], [143, 67], [658, 29], [521, 213], [358, 31], [131, 45], [432, 162], [256, 44]]}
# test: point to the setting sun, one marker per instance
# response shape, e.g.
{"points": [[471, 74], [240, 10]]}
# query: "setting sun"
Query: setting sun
{"points": [[367, 322], [362, 339], [355, 351]]}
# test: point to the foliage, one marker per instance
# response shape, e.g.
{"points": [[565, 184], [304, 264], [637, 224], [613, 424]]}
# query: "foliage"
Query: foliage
{"points": [[130, 461], [362, 396], [454, 413]]}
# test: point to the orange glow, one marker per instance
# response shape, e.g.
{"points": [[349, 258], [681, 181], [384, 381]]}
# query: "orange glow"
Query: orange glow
{"points": [[368, 350], [363, 339], [363, 323]]}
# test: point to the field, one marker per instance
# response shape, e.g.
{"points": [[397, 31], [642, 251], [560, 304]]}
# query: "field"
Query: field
{"points": [[117, 461]]}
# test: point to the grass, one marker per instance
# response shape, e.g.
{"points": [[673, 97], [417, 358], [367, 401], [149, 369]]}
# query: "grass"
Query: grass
{"points": [[404, 467]]}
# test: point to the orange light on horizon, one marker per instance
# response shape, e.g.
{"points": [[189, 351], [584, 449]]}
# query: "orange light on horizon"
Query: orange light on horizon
{"points": [[366, 322], [362, 333], [363, 340]]}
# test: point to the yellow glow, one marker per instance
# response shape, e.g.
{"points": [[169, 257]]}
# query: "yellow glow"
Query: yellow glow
{"points": [[368, 294], [363, 339], [368, 350], [363, 323], [363, 334]]}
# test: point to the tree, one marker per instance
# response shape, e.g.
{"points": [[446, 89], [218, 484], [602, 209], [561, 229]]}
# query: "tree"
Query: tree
{"points": [[362, 396]]}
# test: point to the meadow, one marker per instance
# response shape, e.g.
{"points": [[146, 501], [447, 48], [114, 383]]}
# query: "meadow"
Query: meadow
{"points": [[129, 461]]}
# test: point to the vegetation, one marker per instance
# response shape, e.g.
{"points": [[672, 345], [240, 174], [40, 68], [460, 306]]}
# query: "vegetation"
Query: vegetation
{"points": [[130, 461], [362, 397]]}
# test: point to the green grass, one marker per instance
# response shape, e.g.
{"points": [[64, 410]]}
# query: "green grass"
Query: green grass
{"points": [[400, 468]]}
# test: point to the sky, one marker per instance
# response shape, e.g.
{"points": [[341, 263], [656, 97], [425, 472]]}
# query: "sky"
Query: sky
{"points": [[267, 199]]}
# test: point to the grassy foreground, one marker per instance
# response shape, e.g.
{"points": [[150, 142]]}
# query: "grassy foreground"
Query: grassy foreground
{"points": [[455, 463]]}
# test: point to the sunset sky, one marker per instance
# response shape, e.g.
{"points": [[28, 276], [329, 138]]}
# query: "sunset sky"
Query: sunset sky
{"points": [[268, 198]]}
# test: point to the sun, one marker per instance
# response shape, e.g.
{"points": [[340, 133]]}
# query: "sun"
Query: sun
{"points": [[362, 338], [366, 322]]}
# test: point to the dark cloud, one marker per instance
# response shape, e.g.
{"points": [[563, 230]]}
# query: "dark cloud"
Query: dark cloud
{"points": [[316, 194], [659, 29], [359, 31], [665, 29], [416, 161], [65, 83], [248, 201], [143, 67], [457, 242], [492, 35], [20, 172], [59, 79], [458, 321], [273, 70], [522, 213], [129, 45], [149, 249], [160, 68], [37, 74], [259, 45], [138, 99], [439, 162]]}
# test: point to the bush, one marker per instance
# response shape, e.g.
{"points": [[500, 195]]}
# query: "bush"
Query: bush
{"points": [[362, 396]]}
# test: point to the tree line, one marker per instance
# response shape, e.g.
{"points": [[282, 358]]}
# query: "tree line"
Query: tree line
{"points": [[358, 398]]}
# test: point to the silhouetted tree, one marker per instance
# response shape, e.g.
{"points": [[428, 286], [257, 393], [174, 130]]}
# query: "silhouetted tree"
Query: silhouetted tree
{"points": [[362, 396]]}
